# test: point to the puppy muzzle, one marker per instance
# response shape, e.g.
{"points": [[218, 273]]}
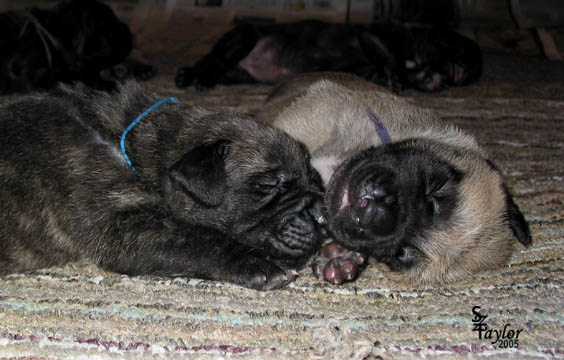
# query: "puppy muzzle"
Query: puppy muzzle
{"points": [[299, 233], [375, 207]]}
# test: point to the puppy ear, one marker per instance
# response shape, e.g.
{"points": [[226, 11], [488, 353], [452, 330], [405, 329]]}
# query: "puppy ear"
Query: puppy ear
{"points": [[516, 221], [201, 173]]}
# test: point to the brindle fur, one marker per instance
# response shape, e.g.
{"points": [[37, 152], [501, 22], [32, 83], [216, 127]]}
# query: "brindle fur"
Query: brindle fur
{"points": [[214, 195]]}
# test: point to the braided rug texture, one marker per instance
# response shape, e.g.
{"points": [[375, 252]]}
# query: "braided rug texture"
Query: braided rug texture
{"points": [[81, 312]]}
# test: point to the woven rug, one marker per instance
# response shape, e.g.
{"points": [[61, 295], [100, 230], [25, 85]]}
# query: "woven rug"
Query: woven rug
{"points": [[81, 312]]}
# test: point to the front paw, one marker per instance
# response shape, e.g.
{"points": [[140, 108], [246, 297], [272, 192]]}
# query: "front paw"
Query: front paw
{"points": [[337, 265], [199, 77], [184, 77], [143, 72], [432, 82], [258, 273], [205, 80], [120, 72]]}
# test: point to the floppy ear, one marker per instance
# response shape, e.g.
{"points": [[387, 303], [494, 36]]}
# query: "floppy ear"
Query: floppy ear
{"points": [[516, 220], [201, 173]]}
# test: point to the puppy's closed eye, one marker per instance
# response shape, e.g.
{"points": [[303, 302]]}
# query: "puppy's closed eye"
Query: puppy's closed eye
{"points": [[441, 190], [270, 183]]}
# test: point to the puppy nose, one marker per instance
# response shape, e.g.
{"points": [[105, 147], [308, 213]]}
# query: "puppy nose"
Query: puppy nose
{"points": [[376, 210]]}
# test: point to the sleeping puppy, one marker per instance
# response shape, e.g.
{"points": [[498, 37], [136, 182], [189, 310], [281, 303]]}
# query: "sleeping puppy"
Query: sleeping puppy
{"points": [[73, 41], [417, 195], [395, 56], [186, 192]]}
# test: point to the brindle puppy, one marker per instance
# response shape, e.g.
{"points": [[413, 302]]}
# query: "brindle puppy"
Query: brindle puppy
{"points": [[207, 195]]}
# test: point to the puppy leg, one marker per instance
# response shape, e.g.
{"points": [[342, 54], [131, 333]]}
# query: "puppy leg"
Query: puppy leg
{"points": [[336, 264], [142, 71], [148, 242], [225, 55], [139, 68]]}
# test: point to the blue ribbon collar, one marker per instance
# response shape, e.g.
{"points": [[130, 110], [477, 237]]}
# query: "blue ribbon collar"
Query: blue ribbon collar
{"points": [[379, 126], [137, 121]]}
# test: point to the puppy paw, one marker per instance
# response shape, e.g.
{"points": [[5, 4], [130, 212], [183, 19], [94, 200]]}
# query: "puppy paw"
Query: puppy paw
{"points": [[205, 82], [261, 274], [203, 77], [120, 72], [143, 72], [184, 77], [433, 81], [273, 280], [338, 265]]}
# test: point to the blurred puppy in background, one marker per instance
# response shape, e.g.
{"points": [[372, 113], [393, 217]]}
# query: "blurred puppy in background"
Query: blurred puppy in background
{"points": [[72, 41], [395, 56]]}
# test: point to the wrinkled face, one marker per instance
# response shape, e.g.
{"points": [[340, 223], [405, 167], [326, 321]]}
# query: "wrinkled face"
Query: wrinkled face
{"points": [[264, 195], [279, 203], [433, 212], [382, 202]]}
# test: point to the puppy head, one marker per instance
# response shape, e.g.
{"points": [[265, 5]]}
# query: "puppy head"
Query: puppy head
{"points": [[432, 212], [255, 184], [94, 33]]}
